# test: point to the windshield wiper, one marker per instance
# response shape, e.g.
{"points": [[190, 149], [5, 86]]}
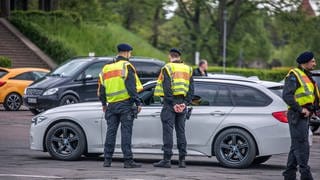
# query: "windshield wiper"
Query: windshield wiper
{"points": [[55, 75]]}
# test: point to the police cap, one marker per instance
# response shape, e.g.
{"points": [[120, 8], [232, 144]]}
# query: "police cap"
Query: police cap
{"points": [[305, 57], [124, 47], [175, 50]]}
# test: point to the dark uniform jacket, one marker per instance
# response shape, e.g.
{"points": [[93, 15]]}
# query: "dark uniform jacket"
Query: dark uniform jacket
{"points": [[130, 83], [169, 98], [197, 72]]}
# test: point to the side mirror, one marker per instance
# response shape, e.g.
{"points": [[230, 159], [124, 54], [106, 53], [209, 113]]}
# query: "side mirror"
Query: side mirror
{"points": [[88, 77]]}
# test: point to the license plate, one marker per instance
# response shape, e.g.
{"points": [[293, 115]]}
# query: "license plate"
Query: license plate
{"points": [[32, 100]]}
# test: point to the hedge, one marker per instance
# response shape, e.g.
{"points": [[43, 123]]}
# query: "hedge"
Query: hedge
{"points": [[5, 62]]}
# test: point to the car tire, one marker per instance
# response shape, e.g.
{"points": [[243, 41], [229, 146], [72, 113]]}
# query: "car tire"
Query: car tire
{"points": [[12, 102], [65, 141], [261, 159], [34, 111], [68, 99], [314, 128], [235, 148]]}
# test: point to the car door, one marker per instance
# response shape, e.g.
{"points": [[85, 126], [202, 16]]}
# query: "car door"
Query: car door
{"points": [[211, 105], [88, 82]]}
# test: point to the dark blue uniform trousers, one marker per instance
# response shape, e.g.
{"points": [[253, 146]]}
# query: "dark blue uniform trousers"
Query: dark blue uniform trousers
{"points": [[299, 150], [119, 113], [171, 120]]}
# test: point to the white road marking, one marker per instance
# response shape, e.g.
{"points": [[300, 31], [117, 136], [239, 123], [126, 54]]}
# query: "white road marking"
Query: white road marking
{"points": [[31, 176]]}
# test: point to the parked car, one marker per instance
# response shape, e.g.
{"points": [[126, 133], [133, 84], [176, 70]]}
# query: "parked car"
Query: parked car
{"points": [[77, 81], [13, 82], [239, 122]]}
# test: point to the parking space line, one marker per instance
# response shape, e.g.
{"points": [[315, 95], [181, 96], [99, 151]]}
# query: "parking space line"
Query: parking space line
{"points": [[31, 176]]}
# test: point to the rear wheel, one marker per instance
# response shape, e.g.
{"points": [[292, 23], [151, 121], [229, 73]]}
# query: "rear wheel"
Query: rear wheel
{"points": [[68, 99], [12, 102], [235, 148], [65, 141], [261, 159]]}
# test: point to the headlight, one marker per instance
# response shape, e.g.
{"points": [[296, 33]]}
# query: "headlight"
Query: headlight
{"points": [[25, 91], [38, 119], [50, 91]]}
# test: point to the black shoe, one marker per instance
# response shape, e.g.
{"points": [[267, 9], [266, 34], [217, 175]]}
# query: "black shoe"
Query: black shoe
{"points": [[107, 163], [163, 164], [182, 162], [131, 164]]}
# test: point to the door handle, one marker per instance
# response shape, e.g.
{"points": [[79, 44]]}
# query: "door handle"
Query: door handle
{"points": [[217, 113], [155, 114]]}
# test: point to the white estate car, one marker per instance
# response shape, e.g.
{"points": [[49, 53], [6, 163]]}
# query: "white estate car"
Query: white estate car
{"points": [[239, 122]]}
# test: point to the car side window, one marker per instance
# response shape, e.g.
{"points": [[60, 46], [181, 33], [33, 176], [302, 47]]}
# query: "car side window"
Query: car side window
{"points": [[247, 96], [24, 76], [148, 99], [145, 69], [223, 98], [93, 70], [204, 94]]}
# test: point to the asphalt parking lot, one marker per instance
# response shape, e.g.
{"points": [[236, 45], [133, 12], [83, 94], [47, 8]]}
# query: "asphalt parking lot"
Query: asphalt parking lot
{"points": [[17, 161]]}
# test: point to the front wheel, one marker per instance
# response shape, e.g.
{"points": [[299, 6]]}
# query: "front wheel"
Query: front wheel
{"points": [[235, 148], [65, 141], [68, 99], [12, 102]]}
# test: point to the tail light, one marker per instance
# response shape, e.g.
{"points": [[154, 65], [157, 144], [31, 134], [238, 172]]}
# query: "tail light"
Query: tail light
{"points": [[2, 83], [281, 116]]}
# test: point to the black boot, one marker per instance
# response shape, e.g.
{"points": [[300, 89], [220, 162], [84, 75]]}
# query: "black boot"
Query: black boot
{"points": [[107, 163], [131, 164], [182, 162], [165, 163]]}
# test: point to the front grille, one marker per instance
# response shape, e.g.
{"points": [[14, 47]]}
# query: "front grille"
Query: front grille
{"points": [[33, 91]]}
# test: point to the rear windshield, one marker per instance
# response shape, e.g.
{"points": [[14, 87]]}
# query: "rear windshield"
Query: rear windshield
{"points": [[2, 73], [277, 90], [69, 68]]}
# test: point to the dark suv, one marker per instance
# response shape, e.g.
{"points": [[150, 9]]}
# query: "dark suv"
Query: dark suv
{"points": [[77, 81]]}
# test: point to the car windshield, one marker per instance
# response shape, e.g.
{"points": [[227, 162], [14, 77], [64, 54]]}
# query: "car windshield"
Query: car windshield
{"points": [[68, 69]]}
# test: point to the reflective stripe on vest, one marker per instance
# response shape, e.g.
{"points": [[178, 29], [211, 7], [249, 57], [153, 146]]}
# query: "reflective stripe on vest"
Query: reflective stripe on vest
{"points": [[305, 93], [113, 78], [179, 74]]}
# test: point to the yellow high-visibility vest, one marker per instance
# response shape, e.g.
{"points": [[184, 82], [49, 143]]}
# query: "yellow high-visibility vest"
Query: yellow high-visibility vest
{"points": [[179, 74], [113, 77], [305, 94]]}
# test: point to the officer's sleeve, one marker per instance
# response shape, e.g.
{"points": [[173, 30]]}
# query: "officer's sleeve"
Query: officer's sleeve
{"points": [[102, 95], [190, 92], [131, 86], [166, 84], [290, 87]]}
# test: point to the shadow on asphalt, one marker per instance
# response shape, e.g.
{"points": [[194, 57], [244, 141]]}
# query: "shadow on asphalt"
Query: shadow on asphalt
{"points": [[175, 162]]}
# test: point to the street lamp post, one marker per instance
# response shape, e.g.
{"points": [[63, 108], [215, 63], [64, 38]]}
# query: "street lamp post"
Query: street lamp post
{"points": [[224, 39]]}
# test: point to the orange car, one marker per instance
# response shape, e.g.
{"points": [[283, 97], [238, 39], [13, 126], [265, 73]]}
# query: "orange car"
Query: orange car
{"points": [[13, 82]]}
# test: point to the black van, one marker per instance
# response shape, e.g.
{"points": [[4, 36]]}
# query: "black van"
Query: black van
{"points": [[77, 81]]}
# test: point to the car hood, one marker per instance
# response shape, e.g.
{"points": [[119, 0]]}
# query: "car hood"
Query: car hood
{"points": [[86, 106], [48, 82]]}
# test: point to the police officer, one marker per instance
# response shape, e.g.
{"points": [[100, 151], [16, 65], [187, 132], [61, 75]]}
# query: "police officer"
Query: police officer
{"points": [[119, 88], [302, 96], [175, 84]]}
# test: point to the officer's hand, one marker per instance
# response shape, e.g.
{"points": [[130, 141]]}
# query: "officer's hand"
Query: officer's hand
{"points": [[176, 108], [306, 112], [104, 108], [182, 106], [139, 109]]}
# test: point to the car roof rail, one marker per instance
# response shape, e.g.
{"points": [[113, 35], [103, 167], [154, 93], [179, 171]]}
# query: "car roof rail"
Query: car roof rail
{"points": [[221, 78]]}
